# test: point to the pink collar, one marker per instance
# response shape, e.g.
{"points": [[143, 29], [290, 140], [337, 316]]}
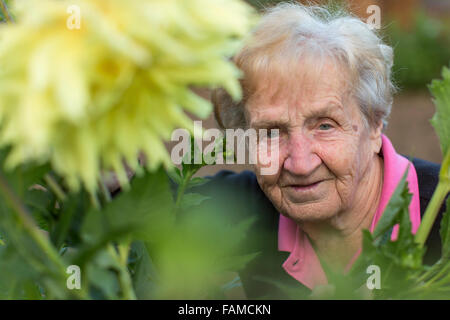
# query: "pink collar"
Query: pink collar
{"points": [[303, 263]]}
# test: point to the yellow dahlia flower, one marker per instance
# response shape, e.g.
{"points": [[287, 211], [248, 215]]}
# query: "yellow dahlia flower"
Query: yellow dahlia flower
{"points": [[90, 85]]}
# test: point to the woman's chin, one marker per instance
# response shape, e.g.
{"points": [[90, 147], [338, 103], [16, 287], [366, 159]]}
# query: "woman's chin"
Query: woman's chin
{"points": [[318, 210]]}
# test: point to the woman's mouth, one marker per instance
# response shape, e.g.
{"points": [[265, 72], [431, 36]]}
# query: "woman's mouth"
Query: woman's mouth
{"points": [[306, 187], [305, 192]]}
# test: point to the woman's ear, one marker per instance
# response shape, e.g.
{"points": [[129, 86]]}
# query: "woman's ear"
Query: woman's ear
{"points": [[375, 137]]}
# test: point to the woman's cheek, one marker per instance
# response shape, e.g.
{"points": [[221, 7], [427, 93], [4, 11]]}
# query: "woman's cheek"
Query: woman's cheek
{"points": [[338, 157]]}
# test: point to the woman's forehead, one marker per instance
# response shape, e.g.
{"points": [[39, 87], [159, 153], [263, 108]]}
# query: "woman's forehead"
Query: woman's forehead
{"points": [[303, 86], [306, 73], [327, 105]]}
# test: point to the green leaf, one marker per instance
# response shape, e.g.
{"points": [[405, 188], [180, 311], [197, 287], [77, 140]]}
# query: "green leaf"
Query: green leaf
{"points": [[441, 119], [101, 272], [390, 215], [399, 260], [175, 174], [409, 252], [196, 182], [144, 211], [203, 245], [188, 164], [39, 201], [66, 227], [38, 260], [144, 273], [192, 200], [239, 262]]}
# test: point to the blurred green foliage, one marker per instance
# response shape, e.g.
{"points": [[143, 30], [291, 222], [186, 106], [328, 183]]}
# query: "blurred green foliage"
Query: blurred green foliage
{"points": [[139, 244], [419, 53]]}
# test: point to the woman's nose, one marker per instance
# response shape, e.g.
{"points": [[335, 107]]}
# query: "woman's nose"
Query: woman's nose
{"points": [[301, 157]]}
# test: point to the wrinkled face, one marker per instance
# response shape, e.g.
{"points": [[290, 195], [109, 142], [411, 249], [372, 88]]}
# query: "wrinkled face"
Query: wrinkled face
{"points": [[325, 148]]}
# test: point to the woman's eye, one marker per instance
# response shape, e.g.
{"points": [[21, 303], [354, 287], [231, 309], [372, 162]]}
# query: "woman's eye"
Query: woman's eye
{"points": [[325, 126]]}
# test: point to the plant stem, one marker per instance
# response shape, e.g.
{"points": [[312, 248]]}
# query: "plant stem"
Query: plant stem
{"points": [[105, 190], [429, 273], [31, 228], [94, 200], [55, 187], [182, 188], [431, 212], [29, 225], [5, 12], [123, 249], [433, 283], [439, 274], [124, 277]]}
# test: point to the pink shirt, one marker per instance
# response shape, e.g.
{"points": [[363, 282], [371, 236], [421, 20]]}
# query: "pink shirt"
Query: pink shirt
{"points": [[303, 263]]}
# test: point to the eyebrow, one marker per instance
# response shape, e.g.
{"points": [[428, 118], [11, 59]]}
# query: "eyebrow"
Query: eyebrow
{"points": [[269, 124], [328, 109]]}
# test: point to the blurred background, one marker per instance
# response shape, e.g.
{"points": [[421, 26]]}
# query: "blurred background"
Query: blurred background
{"points": [[419, 32]]}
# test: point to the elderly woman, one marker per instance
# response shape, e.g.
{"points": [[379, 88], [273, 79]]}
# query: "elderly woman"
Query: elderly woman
{"points": [[324, 81]]}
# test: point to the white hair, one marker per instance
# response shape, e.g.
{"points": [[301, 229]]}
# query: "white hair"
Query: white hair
{"points": [[288, 32]]}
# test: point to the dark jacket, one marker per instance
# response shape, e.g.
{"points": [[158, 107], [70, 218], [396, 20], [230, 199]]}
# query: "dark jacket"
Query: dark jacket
{"points": [[239, 196]]}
